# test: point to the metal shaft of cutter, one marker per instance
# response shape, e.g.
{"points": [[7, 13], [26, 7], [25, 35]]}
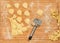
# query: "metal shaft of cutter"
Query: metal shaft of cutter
{"points": [[33, 30]]}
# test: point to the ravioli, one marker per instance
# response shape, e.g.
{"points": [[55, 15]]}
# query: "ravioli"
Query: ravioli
{"points": [[8, 5], [25, 5], [26, 13], [11, 11], [39, 12], [16, 5], [19, 12], [27, 21]]}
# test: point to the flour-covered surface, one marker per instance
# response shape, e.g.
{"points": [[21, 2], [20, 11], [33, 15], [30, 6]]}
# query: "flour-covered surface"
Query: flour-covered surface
{"points": [[16, 21]]}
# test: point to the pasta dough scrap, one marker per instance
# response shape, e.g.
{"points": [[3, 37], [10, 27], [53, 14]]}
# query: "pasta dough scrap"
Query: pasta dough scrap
{"points": [[16, 5], [55, 35], [53, 10], [19, 12], [8, 5], [53, 38], [16, 28], [19, 32], [14, 16], [19, 27], [16, 32], [59, 19], [13, 23], [11, 11], [19, 19], [54, 17], [39, 12], [59, 33], [27, 21], [25, 5], [27, 13], [54, 13], [24, 29], [22, 24], [13, 26]]}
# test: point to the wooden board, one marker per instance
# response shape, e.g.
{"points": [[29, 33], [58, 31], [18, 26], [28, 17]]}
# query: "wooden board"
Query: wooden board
{"points": [[27, 10]]}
